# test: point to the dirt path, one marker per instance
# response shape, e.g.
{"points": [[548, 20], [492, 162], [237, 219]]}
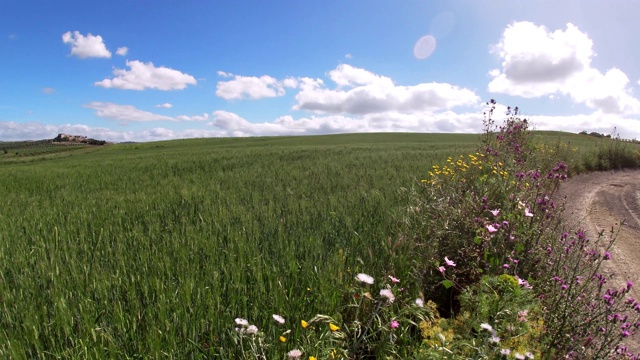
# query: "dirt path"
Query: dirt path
{"points": [[600, 201]]}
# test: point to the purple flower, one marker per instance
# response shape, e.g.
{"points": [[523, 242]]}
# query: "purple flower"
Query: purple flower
{"points": [[607, 256], [629, 285], [394, 324]]}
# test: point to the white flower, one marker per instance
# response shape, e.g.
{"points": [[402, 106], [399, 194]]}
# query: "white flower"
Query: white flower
{"points": [[294, 354], [241, 322], [486, 327], [252, 330], [388, 294], [420, 302], [494, 339], [505, 352], [279, 319], [519, 356], [529, 355], [367, 279]]}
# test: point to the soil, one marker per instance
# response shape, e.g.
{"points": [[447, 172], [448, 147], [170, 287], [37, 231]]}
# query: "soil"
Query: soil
{"points": [[604, 200]]}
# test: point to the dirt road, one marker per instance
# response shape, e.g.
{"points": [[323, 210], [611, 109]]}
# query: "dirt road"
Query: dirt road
{"points": [[600, 201]]}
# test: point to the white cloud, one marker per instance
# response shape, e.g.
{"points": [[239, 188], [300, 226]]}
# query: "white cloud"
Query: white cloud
{"points": [[224, 74], [165, 105], [146, 76], [252, 87], [48, 90], [371, 93], [347, 75], [538, 62], [204, 117], [12, 131], [86, 46], [122, 51], [234, 125], [348, 56], [125, 114]]}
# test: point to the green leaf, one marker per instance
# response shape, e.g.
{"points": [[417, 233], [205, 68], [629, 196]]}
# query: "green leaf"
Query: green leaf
{"points": [[447, 283], [477, 240]]}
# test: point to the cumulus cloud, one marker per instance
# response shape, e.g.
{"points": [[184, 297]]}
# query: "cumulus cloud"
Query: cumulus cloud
{"points": [[368, 93], [252, 87], [122, 51], [125, 114], [537, 62], [234, 125], [165, 105], [146, 76], [86, 46]]}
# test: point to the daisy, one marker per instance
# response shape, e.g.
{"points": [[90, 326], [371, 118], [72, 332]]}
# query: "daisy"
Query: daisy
{"points": [[364, 278], [294, 354], [279, 319], [387, 293]]}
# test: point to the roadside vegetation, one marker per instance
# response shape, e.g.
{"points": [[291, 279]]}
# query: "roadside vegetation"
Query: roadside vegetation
{"points": [[432, 246]]}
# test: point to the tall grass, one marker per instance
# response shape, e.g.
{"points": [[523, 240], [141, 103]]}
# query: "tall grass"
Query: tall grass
{"points": [[151, 250]]}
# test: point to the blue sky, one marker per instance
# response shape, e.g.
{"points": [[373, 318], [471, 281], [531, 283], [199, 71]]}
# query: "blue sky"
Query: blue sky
{"points": [[154, 70]]}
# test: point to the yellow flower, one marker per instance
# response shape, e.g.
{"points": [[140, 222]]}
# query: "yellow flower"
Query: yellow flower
{"points": [[312, 358], [333, 327], [282, 338], [304, 324]]}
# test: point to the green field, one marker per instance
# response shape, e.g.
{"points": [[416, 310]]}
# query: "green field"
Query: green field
{"points": [[151, 250]]}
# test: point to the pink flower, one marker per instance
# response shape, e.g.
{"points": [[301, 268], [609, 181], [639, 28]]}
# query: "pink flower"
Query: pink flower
{"points": [[449, 262], [528, 213], [393, 279], [394, 324], [442, 269], [495, 212], [522, 315], [491, 229]]}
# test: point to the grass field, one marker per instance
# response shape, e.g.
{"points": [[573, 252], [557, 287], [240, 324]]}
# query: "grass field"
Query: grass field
{"points": [[151, 250]]}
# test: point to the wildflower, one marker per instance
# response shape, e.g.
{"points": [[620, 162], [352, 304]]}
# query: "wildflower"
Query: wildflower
{"points": [[487, 327], [494, 339], [505, 352], [241, 322], [522, 315], [252, 330], [394, 324], [387, 293], [528, 355], [282, 339], [393, 279], [279, 319], [420, 302], [364, 278], [449, 262], [528, 213], [607, 255], [519, 356], [495, 212], [312, 358], [442, 269], [304, 324], [333, 327], [629, 285], [491, 228], [294, 354]]}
